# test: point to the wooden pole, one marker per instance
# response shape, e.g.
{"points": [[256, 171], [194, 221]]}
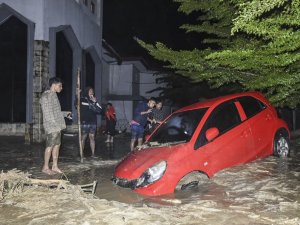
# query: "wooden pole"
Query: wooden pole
{"points": [[78, 114]]}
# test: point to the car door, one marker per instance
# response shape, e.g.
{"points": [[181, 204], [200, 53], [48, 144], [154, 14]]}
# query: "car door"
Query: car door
{"points": [[261, 122], [233, 141]]}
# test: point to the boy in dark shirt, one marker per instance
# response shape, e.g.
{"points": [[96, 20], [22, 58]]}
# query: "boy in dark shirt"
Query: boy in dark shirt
{"points": [[139, 121]]}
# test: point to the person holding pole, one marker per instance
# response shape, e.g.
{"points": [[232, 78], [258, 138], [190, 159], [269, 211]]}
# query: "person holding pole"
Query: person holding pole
{"points": [[54, 123]]}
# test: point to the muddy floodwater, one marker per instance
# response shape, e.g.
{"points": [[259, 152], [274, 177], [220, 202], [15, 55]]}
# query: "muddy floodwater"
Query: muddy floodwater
{"points": [[266, 191]]}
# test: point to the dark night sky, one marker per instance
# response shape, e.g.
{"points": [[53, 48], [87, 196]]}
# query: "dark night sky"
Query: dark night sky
{"points": [[149, 20]]}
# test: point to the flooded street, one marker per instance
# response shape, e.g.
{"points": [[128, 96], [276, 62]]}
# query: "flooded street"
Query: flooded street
{"points": [[266, 191]]}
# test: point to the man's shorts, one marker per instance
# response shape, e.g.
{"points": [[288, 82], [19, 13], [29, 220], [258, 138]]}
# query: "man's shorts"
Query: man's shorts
{"points": [[88, 128], [53, 139], [137, 131]]}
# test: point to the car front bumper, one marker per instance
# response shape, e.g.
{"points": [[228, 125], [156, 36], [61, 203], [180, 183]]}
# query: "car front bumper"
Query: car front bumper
{"points": [[125, 183]]}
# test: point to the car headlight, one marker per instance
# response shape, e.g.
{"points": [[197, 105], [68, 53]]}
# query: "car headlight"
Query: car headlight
{"points": [[152, 174]]}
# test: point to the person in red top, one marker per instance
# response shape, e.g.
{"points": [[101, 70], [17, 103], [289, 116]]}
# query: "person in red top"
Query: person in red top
{"points": [[111, 120]]}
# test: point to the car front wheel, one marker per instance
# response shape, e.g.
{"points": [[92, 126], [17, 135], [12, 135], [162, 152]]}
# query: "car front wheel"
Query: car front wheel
{"points": [[191, 180], [281, 145]]}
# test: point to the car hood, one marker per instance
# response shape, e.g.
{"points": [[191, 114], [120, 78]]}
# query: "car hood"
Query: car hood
{"points": [[134, 164]]}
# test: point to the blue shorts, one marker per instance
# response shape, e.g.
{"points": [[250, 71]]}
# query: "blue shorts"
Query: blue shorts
{"points": [[88, 128], [137, 131]]}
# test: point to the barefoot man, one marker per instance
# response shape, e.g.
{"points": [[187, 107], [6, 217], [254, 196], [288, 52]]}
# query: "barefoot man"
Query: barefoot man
{"points": [[53, 121]]}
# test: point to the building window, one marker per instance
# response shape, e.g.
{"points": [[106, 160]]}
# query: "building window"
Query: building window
{"points": [[85, 2], [92, 7]]}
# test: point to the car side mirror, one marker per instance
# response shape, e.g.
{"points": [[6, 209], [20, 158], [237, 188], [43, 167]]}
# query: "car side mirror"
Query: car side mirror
{"points": [[212, 133]]}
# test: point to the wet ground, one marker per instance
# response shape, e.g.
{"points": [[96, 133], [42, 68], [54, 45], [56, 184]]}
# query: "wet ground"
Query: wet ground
{"points": [[266, 191], [15, 154]]}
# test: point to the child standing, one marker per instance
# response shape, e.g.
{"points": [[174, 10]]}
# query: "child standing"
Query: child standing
{"points": [[111, 120]]}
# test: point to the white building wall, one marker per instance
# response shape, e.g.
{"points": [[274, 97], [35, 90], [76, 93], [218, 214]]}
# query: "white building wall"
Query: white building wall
{"points": [[120, 79], [105, 81], [148, 83], [120, 83], [31, 9], [88, 32], [46, 14], [125, 83], [124, 114], [53, 13]]}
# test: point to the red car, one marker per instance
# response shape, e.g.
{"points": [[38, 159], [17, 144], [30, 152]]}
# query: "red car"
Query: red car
{"points": [[202, 139]]}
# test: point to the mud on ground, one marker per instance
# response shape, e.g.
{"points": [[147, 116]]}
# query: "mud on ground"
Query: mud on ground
{"points": [[263, 192]]}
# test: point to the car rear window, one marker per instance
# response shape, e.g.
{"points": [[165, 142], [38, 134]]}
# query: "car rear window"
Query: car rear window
{"points": [[251, 105]]}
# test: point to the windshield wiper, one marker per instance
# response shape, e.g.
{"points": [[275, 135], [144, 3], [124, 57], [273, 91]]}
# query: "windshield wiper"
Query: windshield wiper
{"points": [[174, 142], [159, 144]]}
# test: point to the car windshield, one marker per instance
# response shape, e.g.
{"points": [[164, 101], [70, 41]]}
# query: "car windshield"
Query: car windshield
{"points": [[179, 128]]}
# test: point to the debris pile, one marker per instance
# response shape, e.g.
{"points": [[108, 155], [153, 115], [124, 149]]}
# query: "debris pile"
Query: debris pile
{"points": [[14, 181]]}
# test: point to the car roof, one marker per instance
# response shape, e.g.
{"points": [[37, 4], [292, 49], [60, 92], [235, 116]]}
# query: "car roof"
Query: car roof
{"points": [[216, 101]]}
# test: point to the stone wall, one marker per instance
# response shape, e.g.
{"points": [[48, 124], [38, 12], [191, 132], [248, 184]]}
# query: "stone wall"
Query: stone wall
{"points": [[40, 84]]}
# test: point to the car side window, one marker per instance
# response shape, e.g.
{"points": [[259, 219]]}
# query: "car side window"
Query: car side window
{"points": [[251, 106], [224, 117]]}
